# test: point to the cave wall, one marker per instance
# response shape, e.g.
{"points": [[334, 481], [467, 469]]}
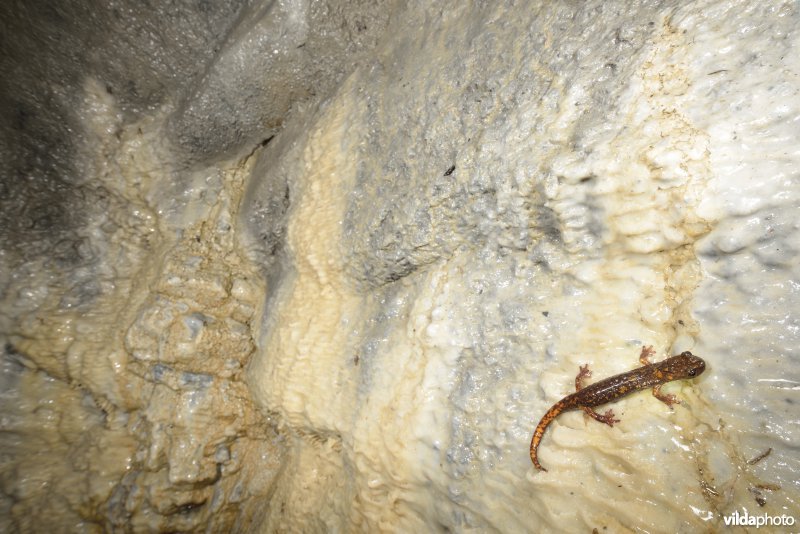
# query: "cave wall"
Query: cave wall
{"points": [[322, 266]]}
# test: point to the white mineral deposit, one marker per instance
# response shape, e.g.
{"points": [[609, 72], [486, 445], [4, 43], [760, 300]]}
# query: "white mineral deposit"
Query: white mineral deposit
{"points": [[322, 266]]}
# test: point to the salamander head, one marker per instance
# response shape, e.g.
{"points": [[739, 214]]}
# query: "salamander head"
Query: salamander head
{"points": [[684, 365]]}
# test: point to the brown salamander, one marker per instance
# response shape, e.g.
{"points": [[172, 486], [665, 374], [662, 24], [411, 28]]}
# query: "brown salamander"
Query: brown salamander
{"points": [[685, 365]]}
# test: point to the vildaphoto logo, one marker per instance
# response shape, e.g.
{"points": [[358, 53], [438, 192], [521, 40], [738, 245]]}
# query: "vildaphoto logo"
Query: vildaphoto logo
{"points": [[746, 520]]}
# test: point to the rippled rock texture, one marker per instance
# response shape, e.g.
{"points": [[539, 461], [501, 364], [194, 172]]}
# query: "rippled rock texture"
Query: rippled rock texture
{"points": [[322, 266]]}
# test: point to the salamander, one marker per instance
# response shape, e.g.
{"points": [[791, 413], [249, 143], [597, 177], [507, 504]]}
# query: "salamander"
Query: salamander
{"points": [[685, 365]]}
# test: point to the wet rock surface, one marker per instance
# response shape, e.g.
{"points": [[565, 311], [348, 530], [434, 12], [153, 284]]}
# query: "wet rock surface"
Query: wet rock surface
{"points": [[320, 266]]}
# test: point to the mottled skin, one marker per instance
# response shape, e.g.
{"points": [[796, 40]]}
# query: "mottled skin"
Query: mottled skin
{"points": [[685, 365]]}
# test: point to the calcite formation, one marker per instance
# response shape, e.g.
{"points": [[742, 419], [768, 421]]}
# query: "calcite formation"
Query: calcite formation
{"points": [[322, 266]]}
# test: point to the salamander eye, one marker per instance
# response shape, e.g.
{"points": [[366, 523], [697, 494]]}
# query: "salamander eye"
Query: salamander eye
{"points": [[692, 372]]}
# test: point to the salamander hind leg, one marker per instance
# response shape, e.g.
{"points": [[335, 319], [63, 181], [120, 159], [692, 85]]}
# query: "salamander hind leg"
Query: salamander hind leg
{"points": [[666, 398], [607, 418]]}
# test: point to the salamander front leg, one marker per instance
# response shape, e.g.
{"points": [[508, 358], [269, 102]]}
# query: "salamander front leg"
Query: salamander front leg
{"points": [[666, 398]]}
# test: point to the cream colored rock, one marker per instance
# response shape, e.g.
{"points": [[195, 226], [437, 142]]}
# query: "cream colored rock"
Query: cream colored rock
{"points": [[429, 316], [356, 327]]}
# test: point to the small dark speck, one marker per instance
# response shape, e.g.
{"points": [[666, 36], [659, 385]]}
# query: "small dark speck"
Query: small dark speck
{"points": [[189, 507], [789, 401], [716, 72], [680, 322], [197, 238], [546, 313], [449, 171]]}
